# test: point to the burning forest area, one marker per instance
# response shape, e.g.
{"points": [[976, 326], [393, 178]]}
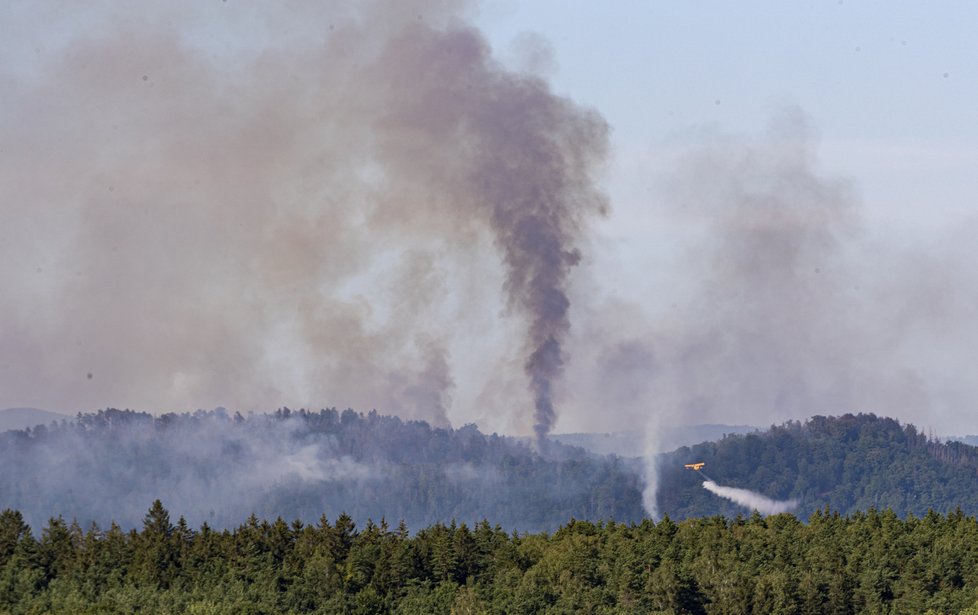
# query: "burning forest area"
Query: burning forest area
{"points": [[449, 306]]}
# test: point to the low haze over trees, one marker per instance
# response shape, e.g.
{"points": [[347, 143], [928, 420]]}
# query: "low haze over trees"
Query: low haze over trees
{"points": [[219, 468], [338, 485]]}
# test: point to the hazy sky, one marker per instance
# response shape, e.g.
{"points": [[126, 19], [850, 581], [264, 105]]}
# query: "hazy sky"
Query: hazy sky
{"points": [[791, 193], [889, 89]]}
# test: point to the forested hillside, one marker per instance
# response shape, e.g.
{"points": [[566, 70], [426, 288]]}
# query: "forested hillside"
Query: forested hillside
{"points": [[216, 468], [872, 562], [219, 468], [848, 463]]}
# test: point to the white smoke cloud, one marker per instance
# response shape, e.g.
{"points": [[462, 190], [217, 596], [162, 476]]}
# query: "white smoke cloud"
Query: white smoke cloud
{"points": [[773, 301], [308, 463], [650, 467], [751, 500]]}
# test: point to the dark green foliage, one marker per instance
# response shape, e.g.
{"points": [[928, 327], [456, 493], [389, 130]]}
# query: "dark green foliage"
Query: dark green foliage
{"points": [[847, 463], [870, 562]]}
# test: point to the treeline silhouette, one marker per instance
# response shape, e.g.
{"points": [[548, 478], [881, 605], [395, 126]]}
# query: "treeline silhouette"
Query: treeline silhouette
{"points": [[872, 562]]}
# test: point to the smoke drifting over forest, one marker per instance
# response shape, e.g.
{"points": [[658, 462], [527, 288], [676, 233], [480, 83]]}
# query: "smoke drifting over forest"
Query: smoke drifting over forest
{"points": [[218, 468], [357, 204], [787, 304], [309, 217]]}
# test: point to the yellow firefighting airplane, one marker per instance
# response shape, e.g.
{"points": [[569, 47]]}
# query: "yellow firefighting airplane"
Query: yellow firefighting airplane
{"points": [[695, 466]]}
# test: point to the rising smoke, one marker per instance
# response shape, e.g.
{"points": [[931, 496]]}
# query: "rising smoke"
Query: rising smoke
{"points": [[249, 206], [215, 204], [750, 499], [778, 303]]}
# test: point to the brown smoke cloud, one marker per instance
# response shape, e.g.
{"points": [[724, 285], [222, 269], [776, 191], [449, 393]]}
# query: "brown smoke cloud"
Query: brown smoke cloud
{"points": [[251, 206]]}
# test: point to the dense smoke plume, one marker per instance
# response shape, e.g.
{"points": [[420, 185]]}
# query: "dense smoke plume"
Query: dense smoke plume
{"points": [[229, 205], [529, 175], [750, 499]]}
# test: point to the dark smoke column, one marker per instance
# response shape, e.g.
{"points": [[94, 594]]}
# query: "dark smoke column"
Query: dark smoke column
{"points": [[535, 176], [517, 158]]}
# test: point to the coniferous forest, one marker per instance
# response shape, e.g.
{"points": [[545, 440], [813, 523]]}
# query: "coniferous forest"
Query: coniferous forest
{"points": [[219, 468], [353, 513], [872, 562]]}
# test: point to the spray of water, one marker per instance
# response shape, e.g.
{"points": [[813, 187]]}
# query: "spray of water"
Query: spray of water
{"points": [[750, 499]]}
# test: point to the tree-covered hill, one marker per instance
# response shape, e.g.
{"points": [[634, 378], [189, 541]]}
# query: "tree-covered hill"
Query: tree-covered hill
{"points": [[849, 463], [216, 468], [219, 468]]}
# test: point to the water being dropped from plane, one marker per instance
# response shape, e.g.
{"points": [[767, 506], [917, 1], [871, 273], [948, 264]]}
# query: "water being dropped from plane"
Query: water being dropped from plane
{"points": [[750, 499]]}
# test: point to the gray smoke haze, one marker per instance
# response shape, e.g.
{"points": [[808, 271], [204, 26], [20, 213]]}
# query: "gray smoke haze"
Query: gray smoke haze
{"points": [[779, 303], [251, 206], [209, 468], [219, 468], [750, 499], [764, 327]]}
